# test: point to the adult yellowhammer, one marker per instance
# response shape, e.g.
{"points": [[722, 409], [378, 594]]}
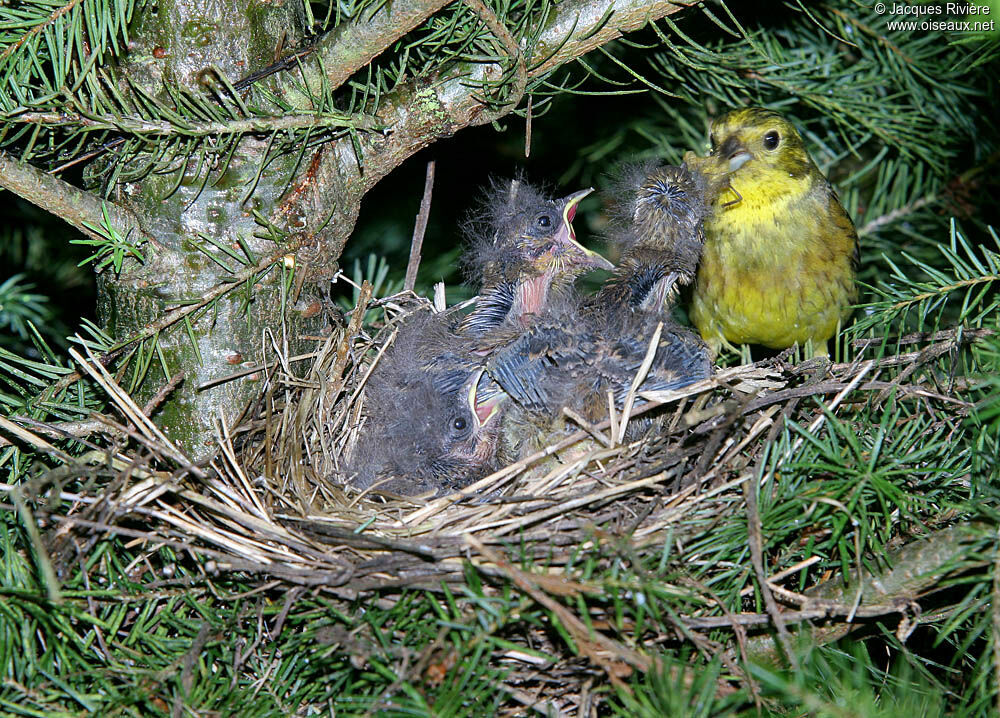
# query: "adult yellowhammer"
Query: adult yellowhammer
{"points": [[778, 266]]}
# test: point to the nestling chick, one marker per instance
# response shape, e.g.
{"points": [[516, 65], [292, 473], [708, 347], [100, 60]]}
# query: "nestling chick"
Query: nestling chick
{"points": [[658, 212], [780, 253], [521, 250], [573, 355], [425, 430]]}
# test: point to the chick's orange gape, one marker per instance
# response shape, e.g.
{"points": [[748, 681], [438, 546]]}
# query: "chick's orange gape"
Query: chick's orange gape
{"points": [[778, 266]]}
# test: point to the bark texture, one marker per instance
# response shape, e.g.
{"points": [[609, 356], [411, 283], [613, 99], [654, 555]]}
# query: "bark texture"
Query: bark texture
{"points": [[183, 44]]}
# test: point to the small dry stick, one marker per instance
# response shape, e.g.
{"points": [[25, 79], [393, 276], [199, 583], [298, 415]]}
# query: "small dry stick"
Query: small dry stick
{"points": [[419, 229], [527, 130], [597, 647], [757, 560], [782, 574], [81, 429], [440, 302], [640, 376], [587, 426], [612, 415]]}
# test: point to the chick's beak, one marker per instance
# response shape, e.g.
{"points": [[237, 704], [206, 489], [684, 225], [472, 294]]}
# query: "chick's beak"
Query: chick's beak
{"points": [[566, 236], [712, 169], [485, 397], [693, 162]]}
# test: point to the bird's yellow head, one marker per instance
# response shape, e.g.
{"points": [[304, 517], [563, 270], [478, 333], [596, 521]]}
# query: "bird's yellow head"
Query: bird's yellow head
{"points": [[756, 150]]}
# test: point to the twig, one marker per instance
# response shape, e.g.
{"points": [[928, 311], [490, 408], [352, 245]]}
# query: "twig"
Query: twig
{"points": [[77, 207], [917, 337], [586, 639], [927, 354], [34, 440], [41, 27], [995, 619], [915, 568], [440, 301], [895, 214], [252, 125], [826, 387], [81, 429], [419, 228], [907, 209], [741, 639], [821, 419], [587, 426], [640, 376], [496, 479], [343, 354], [832, 610], [41, 554], [222, 559], [527, 129], [502, 34], [128, 407], [348, 48], [150, 406], [417, 113], [785, 572], [267, 368], [757, 559]]}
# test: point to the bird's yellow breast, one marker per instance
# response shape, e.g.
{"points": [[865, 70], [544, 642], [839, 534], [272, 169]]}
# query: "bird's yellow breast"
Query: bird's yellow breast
{"points": [[777, 265]]}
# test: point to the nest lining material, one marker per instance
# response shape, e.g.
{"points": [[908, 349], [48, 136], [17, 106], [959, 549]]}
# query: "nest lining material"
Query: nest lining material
{"points": [[266, 504]]}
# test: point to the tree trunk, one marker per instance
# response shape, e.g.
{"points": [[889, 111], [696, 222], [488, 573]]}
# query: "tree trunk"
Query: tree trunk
{"points": [[178, 43]]}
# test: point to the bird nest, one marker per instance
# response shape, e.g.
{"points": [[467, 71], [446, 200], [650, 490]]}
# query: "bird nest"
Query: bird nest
{"points": [[551, 509], [269, 503]]}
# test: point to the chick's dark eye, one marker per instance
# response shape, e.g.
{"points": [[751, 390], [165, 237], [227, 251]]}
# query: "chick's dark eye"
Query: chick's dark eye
{"points": [[459, 423], [543, 221], [771, 140]]}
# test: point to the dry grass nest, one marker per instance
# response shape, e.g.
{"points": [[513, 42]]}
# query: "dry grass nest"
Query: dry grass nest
{"points": [[267, 504]]}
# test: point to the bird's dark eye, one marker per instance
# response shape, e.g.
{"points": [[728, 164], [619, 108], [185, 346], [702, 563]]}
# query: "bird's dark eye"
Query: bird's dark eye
{"points": [[459, 423], [771, 140], [543, 221]]}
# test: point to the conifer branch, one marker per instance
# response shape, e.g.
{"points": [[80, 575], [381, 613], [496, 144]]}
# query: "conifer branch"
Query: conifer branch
{"points": [[420, 112], [210, 128], [352, 45], [76, 206], [912, 571], [58, 14]]}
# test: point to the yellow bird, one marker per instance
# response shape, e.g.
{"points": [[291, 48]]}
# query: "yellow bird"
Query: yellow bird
{"points": [[780, 253]]}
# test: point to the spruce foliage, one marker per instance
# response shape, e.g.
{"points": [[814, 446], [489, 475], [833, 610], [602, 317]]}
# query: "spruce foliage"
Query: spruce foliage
{"points": [[904, 124]]}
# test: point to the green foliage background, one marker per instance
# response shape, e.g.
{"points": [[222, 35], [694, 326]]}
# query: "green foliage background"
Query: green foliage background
{"points": [[904, 123]]}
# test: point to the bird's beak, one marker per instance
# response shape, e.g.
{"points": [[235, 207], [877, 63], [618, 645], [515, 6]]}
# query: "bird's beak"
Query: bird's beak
{"points": [[485, 397], [738, 160], [733, 152], [716, 168], [572, 201], [566, 236]]}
